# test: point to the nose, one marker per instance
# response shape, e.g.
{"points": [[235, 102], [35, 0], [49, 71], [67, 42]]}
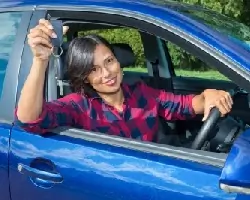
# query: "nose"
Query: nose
{"points": [[105, 72]]}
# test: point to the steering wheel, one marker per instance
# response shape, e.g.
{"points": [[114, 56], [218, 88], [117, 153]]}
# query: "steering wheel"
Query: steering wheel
{"points": [[209, 125]]}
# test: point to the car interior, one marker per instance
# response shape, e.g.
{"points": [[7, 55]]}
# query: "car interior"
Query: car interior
{"points": [[161, 75]]}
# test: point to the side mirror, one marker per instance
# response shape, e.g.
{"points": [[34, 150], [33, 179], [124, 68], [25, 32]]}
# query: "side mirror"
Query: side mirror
{"points": [[235, 177]]}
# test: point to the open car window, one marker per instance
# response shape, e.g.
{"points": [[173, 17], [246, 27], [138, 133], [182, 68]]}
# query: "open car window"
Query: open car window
{"points": [[175, 134], [187, 65]]}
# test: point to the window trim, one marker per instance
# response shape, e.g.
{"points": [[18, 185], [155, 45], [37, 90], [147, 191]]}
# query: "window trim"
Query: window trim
{"points": [[10, 84], [198, 156], [185, 41]]}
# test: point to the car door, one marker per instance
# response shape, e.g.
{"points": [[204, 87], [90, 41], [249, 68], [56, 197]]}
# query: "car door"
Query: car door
{"points": [[82, 165], [10, 51], [78, 164]]}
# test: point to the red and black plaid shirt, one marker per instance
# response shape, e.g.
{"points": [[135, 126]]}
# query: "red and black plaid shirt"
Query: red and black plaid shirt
{"points": [[139, 119]]}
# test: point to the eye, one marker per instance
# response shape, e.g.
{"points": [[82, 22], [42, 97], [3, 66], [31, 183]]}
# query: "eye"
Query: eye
{"points": [[94, 69], [110, 60]]}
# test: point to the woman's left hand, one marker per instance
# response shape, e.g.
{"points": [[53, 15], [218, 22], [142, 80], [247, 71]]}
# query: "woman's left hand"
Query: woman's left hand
{"points": [[217, 98]]}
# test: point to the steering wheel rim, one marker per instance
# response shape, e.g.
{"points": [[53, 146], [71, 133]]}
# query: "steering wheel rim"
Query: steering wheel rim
{"points": [[206, 128], [210, 124]]}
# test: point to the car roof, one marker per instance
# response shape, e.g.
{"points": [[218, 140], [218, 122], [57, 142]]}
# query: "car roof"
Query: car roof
{"points": [[166, 10]]}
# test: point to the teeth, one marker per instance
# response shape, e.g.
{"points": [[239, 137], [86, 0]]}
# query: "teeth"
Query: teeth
{"points": [[111, 81]]}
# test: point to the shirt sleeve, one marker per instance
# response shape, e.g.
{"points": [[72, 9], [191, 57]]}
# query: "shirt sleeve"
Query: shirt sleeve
{"points": [[61, 112], [170, 105]]}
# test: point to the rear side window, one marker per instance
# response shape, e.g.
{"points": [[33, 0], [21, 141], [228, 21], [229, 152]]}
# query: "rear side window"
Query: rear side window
{"points": [[9, 23]]}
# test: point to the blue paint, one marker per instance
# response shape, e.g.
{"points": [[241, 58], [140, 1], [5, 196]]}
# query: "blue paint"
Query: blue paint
{"points": [[95, 171], [236, 170], [163, 11], [98, 171], [4, 148]]}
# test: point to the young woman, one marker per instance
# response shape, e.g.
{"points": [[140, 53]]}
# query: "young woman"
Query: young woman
{"points": [[101, 102]]}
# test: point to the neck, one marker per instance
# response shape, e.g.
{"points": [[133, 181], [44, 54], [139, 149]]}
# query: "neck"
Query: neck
{"points": [[115, 99]]}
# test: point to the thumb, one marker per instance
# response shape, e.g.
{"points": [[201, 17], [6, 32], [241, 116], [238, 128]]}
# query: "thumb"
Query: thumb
{"points": [[65, 29], [207, 110]]}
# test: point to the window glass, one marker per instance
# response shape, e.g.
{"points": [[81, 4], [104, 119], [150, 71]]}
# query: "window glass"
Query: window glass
{"points": [[10, 21], [228, 26], [187, 65]]}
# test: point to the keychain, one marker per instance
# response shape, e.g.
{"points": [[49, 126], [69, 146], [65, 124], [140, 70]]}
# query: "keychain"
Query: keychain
{"points": [[57, 49]]}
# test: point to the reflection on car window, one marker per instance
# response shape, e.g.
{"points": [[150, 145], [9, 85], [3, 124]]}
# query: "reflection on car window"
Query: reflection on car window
{"points": [[236, 31], [10, 21]]}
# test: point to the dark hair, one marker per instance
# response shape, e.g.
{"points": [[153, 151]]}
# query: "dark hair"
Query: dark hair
{"points": [[80, 60]]}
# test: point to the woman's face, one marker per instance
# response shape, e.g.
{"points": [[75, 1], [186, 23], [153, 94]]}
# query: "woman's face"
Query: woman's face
{"points": [[106, 76]]}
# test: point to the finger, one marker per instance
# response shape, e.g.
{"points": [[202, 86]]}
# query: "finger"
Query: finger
{"points": [[229, 99], [38, 33], [38, 41], [221, 107], [226, 104], [47, 31], [46, 23], [205, 116], [207, 110], [42, 31]]}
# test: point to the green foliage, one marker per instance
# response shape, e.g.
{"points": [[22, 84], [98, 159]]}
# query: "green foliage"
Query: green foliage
{"points": [[183, 60], [237, 9], [123, 35], [228, 8]]}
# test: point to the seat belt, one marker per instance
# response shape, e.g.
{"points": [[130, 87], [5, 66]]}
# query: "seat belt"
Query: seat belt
{"points": [[156, 76]]}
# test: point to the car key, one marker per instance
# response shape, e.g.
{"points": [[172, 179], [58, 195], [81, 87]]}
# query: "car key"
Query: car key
{"points": [[58, 29]]}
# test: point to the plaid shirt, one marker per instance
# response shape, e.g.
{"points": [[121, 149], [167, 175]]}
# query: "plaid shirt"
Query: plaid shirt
{"points": [[139, 119]]}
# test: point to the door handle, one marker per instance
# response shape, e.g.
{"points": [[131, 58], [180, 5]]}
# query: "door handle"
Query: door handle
{"points": [[234, 189], [35, 173]]}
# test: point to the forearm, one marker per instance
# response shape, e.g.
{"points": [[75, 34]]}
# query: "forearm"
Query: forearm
{"points": [[31, 99]]}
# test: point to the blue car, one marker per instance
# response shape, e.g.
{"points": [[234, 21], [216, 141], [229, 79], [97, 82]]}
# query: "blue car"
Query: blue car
{"points": [[191, 160]]}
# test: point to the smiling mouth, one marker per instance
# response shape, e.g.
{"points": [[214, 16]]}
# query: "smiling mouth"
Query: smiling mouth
{"points": [[111, 81]]}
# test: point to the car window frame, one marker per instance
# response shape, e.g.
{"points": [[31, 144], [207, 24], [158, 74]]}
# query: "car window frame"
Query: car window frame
{"points": [[167, 32], [9, 92]]}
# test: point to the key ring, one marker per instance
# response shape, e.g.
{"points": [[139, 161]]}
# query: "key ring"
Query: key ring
{"points": [[57, 55]]}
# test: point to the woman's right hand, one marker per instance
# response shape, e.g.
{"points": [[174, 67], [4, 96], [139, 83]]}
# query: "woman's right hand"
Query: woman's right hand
{"points": [[39, 39]]}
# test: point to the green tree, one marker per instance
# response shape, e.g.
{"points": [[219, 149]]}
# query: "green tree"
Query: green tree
{"points": [[237, 9]]}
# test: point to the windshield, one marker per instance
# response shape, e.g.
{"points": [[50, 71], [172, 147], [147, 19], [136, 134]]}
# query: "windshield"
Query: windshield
{"points": [[236, 31]]}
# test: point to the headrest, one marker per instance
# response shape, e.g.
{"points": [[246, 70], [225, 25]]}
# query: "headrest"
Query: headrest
{"points": [[123, 52]]}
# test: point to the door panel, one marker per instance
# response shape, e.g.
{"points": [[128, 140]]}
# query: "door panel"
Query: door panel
{"points": [[186, 85], [4, 150], [196, 85], [97, 171]]}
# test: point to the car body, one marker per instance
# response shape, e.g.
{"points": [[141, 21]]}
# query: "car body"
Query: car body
{"points": [[77, 164]]}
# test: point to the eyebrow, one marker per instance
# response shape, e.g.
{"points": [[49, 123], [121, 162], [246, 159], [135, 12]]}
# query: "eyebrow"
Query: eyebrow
{"points": [[110, 55]]}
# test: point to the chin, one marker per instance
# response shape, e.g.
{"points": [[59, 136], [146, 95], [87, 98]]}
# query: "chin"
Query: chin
{"points": [[110, 89], [113, 90]]}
